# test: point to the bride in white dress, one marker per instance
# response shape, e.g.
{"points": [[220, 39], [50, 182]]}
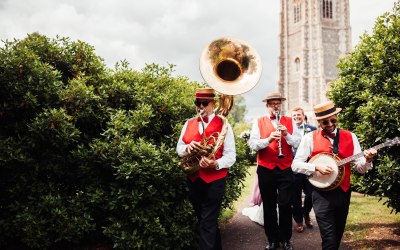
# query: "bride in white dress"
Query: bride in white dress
{"points": [[255, 212]]}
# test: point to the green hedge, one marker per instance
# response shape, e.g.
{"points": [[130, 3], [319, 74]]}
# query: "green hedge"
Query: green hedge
{"points": [[368, 89], [87, 153]]}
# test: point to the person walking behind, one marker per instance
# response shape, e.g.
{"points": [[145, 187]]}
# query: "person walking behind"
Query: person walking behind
{"points": [[270, 137], [331, 207], [301, 183]]}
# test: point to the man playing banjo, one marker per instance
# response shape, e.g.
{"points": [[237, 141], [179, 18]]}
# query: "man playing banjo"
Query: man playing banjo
{"points": [[331, 204]]}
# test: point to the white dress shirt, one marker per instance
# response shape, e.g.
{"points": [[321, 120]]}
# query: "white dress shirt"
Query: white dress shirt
{"points": [[229, 152], [299, 129], [256, 143], [305, 148]]}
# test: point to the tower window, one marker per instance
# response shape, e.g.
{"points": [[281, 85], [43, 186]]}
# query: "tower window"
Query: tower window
{"points": [[327, 10], [297, 64], [297, 13]]}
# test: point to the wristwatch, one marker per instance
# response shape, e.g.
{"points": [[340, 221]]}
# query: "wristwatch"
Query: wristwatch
{"points": [[217, 166]]}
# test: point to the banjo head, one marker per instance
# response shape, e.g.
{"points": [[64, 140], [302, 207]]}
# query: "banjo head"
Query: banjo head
{"points": [[324, 181]]}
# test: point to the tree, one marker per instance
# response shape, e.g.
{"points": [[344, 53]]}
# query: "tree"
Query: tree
{"points": [[368, 88], [87, 154], [242, 128], [239, 110]]}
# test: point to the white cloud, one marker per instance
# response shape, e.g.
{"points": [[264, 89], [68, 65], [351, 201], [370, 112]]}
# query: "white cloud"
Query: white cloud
{"points": [[168, 31]]}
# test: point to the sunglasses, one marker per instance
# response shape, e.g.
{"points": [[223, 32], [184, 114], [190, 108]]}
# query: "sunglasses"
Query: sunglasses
{"points": [[276, 104], [326, 122], [205, 103]]}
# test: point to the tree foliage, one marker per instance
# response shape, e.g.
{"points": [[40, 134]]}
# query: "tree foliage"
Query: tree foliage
{"points": [[241, 128], [368, 89], [239, 110], [87, 154]]}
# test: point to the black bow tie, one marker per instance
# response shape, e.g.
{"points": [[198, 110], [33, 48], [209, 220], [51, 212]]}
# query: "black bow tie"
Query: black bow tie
{"points": [[301, 126]]}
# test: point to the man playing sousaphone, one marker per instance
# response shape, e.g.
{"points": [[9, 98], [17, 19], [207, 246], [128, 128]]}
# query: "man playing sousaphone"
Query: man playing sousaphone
{"points": [[331, 206], [207, 185]]}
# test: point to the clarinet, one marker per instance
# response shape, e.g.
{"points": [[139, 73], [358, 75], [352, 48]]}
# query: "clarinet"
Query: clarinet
{"points": [[278, 119]]}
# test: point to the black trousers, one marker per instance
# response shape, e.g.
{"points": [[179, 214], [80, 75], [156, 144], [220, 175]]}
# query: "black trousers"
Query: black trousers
{"points": [[206, 199], [301, 184], [276, 188], [331, 209]]}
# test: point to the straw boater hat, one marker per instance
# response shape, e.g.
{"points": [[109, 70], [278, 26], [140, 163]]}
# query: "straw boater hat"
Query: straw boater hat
{"points": [[274, 96], [325, 109], [205, 93]]}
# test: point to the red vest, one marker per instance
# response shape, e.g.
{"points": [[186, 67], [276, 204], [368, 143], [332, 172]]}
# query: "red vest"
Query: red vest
{"points": [[346, 149], [192, 134], [268, 157]]}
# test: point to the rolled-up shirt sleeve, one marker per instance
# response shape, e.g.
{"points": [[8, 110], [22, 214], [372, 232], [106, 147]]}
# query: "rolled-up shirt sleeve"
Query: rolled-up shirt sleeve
{"points": [[255, 142], [229, 153], [293, 140], [181, 146], [360, 164]]}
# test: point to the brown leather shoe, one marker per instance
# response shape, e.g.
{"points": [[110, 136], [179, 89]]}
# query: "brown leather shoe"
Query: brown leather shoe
{"points": [[308, 222], [299, 227]]}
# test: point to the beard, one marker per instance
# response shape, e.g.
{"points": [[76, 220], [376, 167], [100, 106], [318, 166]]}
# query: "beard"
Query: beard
{"points": [[329, 129]]}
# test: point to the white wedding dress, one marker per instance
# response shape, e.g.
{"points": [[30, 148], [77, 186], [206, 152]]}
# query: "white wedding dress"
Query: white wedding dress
{"points": [[255, 213]]}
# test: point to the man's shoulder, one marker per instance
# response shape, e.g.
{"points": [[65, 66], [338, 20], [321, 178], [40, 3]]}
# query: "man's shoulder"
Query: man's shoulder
{"points": [[311, 127], [261, 117], [345, 131], [190, 120], [287, 117]]}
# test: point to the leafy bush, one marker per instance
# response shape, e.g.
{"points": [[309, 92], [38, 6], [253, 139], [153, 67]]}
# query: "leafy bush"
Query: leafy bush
{"points": [[87, 154], [369, 89]]}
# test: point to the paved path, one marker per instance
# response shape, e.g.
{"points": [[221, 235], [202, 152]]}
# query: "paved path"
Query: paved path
{"points": [[240, 233]]}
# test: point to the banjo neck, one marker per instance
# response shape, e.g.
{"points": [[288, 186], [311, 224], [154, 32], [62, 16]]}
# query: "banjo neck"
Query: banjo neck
{"points": [[377, 147]]}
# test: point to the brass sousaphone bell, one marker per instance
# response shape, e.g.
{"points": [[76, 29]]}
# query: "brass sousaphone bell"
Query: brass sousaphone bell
{"points": [[230, 66]]}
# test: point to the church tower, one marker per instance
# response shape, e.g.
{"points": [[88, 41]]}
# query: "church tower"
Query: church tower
{"points": [[314, 34]]}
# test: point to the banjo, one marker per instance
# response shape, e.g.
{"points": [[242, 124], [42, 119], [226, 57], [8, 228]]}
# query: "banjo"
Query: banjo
{"points": [[334, 179]]}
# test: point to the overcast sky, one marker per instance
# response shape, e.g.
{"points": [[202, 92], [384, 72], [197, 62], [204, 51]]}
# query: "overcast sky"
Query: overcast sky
{"points": [[169, 31]]}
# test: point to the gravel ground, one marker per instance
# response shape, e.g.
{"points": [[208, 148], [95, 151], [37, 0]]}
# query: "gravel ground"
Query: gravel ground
{"points": [[240, 233]]}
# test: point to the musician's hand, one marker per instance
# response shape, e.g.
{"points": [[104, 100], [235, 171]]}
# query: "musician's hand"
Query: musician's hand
{"points": [[207, 163], [324, 169], [192, 145], [283, 129], [275, 135], [369, 154]]}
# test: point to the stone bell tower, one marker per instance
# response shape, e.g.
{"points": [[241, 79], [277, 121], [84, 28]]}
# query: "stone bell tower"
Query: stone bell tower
{"points": [[314, 34]]}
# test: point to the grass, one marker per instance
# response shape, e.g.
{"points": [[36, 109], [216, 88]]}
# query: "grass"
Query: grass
{"points": [[366, 215], [366, 212], [247, 189]]}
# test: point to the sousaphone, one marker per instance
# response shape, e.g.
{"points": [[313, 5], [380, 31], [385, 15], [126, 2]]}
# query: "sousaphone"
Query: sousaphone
{"points": [[230, 66]]}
